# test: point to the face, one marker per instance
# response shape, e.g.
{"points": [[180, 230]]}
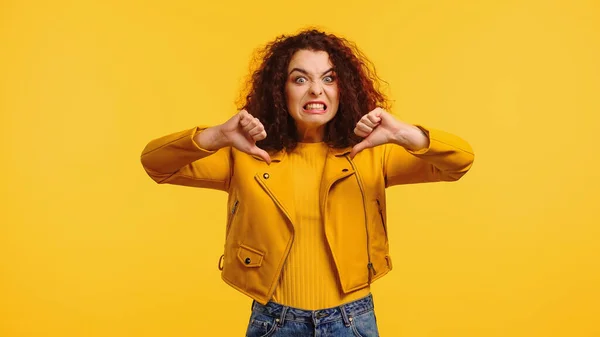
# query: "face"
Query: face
{"points": [[311, 92]]}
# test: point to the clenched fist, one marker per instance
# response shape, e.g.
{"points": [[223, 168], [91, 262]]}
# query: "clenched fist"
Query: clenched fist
{"points": [[380, 127], [241, 131]]}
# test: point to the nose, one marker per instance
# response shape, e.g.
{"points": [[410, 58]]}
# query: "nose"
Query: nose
{"points": [[316, 89]]}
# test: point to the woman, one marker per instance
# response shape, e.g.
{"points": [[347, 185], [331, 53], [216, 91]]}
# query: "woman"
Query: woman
{"points": [[305, 164]]}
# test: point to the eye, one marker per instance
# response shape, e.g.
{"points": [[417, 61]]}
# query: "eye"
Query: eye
{"points": [[300, 80], [328, 79]]}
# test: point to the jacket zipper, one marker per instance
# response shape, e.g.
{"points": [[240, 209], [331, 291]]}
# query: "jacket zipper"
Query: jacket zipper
{"points": [[362, 192], [233, 212], [381, 215]]}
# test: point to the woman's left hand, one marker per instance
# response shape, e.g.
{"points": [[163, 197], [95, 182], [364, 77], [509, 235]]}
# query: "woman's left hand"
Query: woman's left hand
{"points": [[380, 127]]}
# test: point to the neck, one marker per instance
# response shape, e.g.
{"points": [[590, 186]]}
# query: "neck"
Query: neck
{"points": [[311, 135]]}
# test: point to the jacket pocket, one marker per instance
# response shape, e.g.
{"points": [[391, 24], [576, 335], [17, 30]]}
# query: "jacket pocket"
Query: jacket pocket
{"points": [[250, 257]]}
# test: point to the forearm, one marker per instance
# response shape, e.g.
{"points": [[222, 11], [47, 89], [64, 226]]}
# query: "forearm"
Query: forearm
{"points": [[211, 139], [169, 153], [445, 158], [179, 159]]}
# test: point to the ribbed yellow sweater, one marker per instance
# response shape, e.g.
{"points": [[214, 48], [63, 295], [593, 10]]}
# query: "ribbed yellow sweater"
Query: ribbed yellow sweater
{"points": [[308, 280]]}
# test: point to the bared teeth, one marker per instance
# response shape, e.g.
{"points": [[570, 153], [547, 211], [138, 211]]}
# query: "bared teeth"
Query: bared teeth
{"points": [[315, 106]]}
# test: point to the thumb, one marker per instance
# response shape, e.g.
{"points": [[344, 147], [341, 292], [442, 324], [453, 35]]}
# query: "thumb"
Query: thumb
{"points": [[365, 144], [255, 150]]}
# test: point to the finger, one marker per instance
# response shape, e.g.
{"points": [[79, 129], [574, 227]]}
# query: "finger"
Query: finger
{"points": [[360, 133], [374, 117], [364, 128], [243, 114], [359, 147], [254, 123], [245, 118], [366, 121], [260, 136], [255, 150], [254, 128], [248, 123], [377, 112]]}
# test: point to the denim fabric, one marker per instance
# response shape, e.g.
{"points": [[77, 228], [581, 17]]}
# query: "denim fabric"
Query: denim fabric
{"points": [[354, 319]]}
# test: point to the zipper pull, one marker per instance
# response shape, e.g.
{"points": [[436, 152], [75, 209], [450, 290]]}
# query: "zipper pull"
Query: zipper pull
{"points": [[234, 208], [220, 264], [370, 266], [379, 206]]}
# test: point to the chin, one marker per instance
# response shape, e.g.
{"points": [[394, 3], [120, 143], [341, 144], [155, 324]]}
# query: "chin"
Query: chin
{"points": [[317, 120]]}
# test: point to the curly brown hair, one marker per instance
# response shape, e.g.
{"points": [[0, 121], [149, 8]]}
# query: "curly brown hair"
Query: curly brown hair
{"points": [[357, 81]]}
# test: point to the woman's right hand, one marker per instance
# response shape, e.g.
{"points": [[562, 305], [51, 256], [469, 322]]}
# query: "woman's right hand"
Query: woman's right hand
{"points": [[241, 131]]}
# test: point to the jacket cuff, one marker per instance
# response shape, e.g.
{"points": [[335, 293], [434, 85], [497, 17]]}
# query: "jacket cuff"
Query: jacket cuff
{"points": [[427, 134], [195, 145], [440, 143]]}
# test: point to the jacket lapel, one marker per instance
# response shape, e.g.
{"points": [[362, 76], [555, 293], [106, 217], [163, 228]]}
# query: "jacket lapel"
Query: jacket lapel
{"points": [[336, 168], [274, 179]]}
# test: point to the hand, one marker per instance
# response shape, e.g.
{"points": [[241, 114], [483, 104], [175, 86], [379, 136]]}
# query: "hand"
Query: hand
{"points": [[380, 127], [241, 131]]}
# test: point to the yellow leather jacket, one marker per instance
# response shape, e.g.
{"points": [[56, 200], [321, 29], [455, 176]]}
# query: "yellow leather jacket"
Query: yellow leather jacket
{"points": [[260, 221]]}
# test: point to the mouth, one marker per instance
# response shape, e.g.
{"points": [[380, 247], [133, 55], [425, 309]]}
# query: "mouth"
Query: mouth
{"points": [[315, 108]]}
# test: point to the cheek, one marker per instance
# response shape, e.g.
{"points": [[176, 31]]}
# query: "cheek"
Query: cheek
{"points": [[292, 95], [333, 92], [334, 99]]}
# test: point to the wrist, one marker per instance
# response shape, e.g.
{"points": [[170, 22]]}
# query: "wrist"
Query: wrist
{"points": [[411, 138], [211, 139]]}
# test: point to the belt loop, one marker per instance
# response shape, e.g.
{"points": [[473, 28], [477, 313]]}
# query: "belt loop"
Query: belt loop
{"points": [[281, 319], [345, 316]]}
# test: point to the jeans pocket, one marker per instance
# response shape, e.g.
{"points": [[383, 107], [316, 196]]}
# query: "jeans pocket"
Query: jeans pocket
{"points": [[365, 325], [261, 326]]}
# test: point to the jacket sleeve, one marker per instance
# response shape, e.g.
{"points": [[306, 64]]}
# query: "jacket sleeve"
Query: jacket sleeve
{"points": [[447, 158], [177, 159]]}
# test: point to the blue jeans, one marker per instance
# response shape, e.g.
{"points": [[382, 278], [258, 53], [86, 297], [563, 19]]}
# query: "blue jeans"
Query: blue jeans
{"points": [[354, 319]]}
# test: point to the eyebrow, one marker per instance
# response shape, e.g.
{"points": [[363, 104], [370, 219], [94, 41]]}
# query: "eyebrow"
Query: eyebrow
{"points": [[306, 72]]}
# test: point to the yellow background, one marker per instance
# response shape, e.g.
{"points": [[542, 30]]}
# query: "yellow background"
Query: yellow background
{"points": [[90, 246]]}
